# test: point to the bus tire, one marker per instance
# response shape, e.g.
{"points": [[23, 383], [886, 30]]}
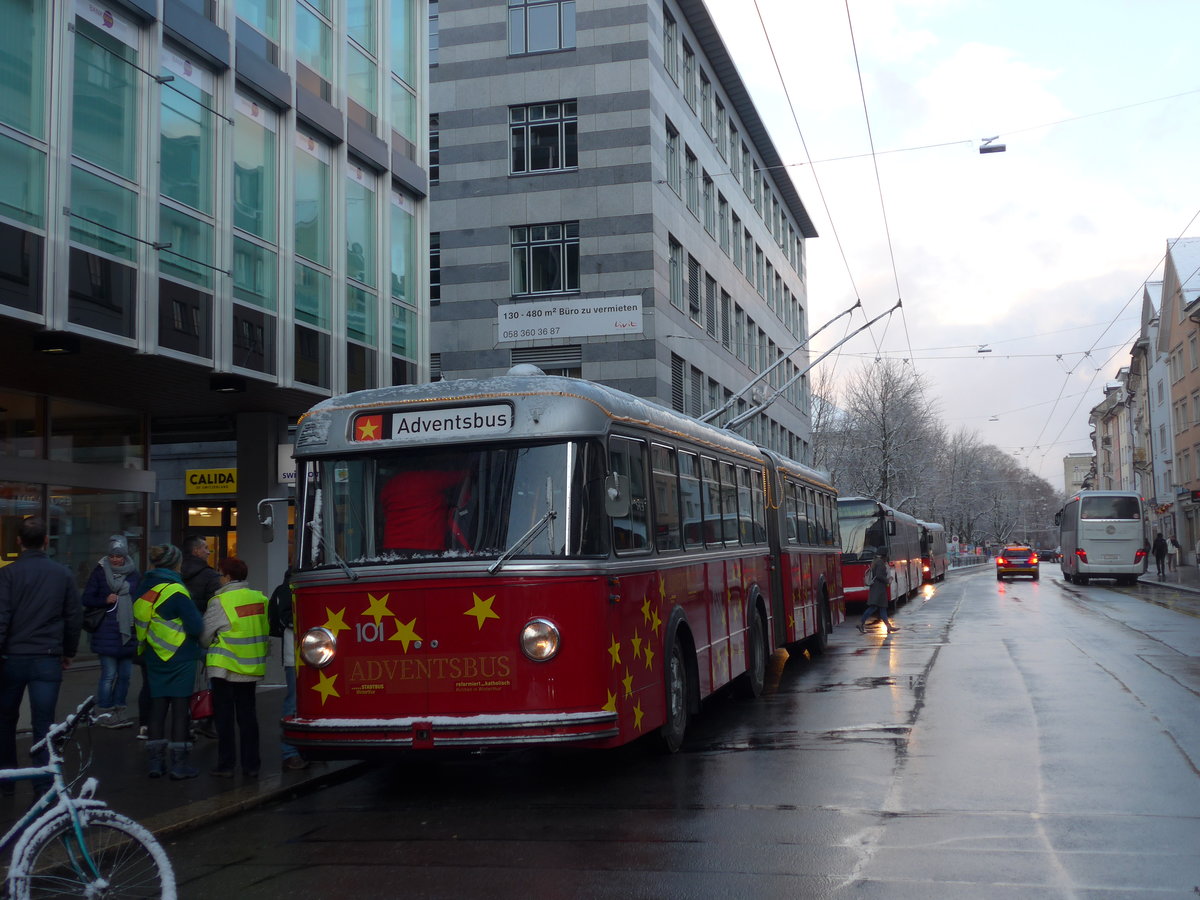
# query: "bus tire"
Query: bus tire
{"points": [[819, 642], [675, 684], [750, 683]]}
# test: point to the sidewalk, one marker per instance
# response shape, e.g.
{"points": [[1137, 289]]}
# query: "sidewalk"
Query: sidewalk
{"points": [[1184, 578], [118, 763]]}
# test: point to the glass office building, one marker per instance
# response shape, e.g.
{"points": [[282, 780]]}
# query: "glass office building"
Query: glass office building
{"points": [[209, 210]]}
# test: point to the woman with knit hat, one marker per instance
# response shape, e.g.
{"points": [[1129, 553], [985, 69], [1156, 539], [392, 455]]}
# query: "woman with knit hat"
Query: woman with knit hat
{"points": [[168, 625], [114, 641]]}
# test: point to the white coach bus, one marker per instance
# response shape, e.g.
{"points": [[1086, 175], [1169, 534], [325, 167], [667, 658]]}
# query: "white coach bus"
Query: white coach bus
{"points": [[1103, 535]]}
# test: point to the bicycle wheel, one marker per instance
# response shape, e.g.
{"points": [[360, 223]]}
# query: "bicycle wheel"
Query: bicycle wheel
{"points": [[128, 859]]}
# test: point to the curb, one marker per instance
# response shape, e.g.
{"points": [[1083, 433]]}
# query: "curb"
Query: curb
{"points": [[264, 790]]}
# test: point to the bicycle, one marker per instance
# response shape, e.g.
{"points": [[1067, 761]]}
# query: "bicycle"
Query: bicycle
{"points": [[75, 846]]}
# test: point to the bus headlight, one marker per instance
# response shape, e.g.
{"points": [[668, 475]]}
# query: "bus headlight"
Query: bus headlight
{"points": [[318, 647], [539, 640]]}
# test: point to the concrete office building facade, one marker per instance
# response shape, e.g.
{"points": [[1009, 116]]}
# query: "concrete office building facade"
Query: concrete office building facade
{"points": [[607, 203], [213, 214]]}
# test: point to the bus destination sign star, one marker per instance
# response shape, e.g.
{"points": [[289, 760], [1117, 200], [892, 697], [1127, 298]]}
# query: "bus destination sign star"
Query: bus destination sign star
{"points": [[569, 318]]}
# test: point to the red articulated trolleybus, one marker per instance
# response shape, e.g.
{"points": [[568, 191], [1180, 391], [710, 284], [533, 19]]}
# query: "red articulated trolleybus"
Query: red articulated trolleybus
{"points": [[541, 560]]}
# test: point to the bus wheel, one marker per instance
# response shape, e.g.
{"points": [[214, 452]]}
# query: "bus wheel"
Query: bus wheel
{"points": [[819, 642], [750, 683], [676, 677]]}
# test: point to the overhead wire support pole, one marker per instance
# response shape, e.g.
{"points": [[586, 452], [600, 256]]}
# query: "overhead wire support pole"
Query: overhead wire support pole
{"points": [[749, 414], [728, 404]]}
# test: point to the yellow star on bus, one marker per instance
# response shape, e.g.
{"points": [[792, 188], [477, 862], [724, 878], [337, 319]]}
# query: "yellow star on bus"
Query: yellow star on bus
{"points": [[334, 623], [405, 633], [482, 610], [636, 640], [366, 432], [646, 609], [649, 657], [662, 588], [637, 715], [324, 686], [611, 705], [614, 650], [655, 622], [378, 608], [627, 681]]}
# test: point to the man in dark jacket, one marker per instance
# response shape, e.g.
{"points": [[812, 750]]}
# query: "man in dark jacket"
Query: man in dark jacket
{"points": [[40, 621], [201, 579]]}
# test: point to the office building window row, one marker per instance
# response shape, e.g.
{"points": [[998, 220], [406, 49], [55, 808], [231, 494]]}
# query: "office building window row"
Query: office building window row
{"points": [[545, 258], [681, 64], [713, 309], [695, 394], [543, 137]]}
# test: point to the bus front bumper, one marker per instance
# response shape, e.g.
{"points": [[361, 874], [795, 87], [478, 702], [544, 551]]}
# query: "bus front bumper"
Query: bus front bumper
{"points": [[356, 738]]}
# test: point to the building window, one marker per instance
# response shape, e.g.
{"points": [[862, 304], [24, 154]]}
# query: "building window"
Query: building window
{"points": [[254, 168], [311, 203], [692, 176], [403, 248], [433, 32], [673, 157], [545, 258], [543, 137], [105, 109], [361, 241], [535, 26], [689, 75], [723, 222], [710, 215], [736, 228], [676, 274], [732, 156], [435, 268], [186, 144], [722, 133], [670, 46], [706, 105], [693, 291], [314, 46], [435, 151]]}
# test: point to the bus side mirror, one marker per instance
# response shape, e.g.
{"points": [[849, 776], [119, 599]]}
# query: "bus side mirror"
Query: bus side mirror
{"points": [[266, 517], [616, 496], [1058, 518]]}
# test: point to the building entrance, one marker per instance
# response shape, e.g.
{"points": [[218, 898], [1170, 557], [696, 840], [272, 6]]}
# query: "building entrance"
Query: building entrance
{"points": [[216, 522]]}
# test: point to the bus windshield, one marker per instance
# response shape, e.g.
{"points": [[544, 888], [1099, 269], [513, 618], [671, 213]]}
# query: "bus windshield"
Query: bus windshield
{"points": [[437, 502], [1110, 508], [861, 526]]}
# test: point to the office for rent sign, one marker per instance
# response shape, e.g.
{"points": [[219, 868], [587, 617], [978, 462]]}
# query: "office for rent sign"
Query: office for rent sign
{"points": [[569, 318]]}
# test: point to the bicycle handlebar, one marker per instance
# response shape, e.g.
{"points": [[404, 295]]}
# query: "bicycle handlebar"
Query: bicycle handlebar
{"points": [[60, 732]]}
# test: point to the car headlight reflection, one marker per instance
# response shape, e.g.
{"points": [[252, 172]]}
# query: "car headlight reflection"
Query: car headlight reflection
{"points": [[318, 647], [540, 640]]}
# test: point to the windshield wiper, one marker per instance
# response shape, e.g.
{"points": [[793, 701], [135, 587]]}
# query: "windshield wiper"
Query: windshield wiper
{"points": [[316, 531], [547, 517]]}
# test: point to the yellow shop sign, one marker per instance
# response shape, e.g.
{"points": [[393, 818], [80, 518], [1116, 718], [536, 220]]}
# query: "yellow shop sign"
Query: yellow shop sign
{"points": [[211, 481]]}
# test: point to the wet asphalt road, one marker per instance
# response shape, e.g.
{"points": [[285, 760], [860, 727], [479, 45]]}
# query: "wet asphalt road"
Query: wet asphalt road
{"points": [[1015, 740]]}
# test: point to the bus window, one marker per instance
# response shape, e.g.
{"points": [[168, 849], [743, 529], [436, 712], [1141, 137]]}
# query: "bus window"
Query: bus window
{"points": [[711, 492], [667, 529], [748, 526], [631, 533], [689, 496], [729, 504], [1110, 508], [812, 517], [758, 507]]}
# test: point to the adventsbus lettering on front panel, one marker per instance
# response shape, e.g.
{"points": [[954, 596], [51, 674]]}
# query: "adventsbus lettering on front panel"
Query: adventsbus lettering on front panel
{"points": [[447, 422]]}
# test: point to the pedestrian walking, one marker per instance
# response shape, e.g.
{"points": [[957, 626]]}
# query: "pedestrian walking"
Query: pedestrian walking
{"points": [[877, 593], [202, 582], [40, 621], [1159, 549], [167, 625], [110, 587], [236, 635], [1174, 552], [280, 617]]}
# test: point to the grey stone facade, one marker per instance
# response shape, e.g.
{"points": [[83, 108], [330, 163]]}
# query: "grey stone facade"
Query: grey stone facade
{"points": [[630, 211]]}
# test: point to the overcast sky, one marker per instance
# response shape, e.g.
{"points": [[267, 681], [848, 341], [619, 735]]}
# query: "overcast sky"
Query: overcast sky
{"points": [[1038, 253]]}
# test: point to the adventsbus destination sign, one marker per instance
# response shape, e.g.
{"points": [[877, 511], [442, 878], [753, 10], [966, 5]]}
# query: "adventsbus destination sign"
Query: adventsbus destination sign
{"points": [[449, 422], [572, 317]]}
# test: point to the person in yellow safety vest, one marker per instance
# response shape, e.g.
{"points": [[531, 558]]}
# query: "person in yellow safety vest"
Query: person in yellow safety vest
{"points": [[237, 635], [166, 623]]}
